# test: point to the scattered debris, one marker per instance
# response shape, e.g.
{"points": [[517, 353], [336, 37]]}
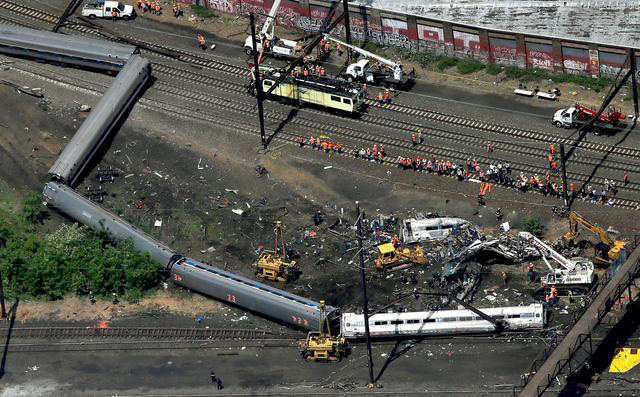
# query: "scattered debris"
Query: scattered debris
{"points": [[238, 212], [158, 223], [84, 108]]}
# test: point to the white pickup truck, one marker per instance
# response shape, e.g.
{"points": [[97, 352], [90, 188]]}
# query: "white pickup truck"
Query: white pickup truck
{"points": [[102, 9]]}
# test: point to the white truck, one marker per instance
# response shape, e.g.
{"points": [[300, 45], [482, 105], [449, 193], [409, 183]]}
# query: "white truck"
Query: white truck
{"points": [[385, 73], [577, 115], [574, 275], [103, 9], [268, 44]]}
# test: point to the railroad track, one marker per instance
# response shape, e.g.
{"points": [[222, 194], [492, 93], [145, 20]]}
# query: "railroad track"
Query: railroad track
{"points": [[302, 126], [142, 333], [414, 112]]}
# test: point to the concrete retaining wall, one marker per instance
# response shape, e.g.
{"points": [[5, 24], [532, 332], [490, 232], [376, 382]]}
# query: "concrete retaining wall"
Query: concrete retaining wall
{"points": [[396, 29]]}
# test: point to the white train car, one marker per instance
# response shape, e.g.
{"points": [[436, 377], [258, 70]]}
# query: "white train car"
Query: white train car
{"points": [[442, 321]]}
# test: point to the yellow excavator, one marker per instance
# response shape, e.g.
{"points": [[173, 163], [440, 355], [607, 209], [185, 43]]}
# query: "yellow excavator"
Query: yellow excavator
{"points": [[607, 251], [272, 265], [390, 259], [320, 345]]}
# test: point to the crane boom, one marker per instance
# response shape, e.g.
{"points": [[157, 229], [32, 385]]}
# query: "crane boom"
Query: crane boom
{"points": [[546, 250], [268, 23], [365, 53]]}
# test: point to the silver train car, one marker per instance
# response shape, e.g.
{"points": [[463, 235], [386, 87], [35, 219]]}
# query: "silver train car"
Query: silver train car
{"points": [[250, 294], [94, 130], [65, 49], [86, 212], [197, 276], [442, 322]]}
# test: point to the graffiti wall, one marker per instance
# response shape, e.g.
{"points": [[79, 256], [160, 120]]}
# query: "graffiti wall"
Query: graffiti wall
{"points": [[539, 56], [431, 38], [228, 6], [467, 45], [575, 60], [395, 33], [503, 51], [611, 63]]}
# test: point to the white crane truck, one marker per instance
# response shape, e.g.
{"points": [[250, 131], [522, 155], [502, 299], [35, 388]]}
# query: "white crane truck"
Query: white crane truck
{"points": [[386, 73], [102, 9], [268, 43], [573, 275]]}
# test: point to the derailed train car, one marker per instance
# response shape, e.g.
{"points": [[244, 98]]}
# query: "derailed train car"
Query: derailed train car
{"points": [[443, 321], [94, 130], [189, 273], [65, 49], [84, 211]]}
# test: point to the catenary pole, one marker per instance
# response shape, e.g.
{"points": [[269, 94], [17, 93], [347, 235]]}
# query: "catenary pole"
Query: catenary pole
{"points": [[364, 293], [258, 81]]}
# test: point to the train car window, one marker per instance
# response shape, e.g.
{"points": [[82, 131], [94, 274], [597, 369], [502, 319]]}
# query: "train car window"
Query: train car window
{"points": [[466, 318], [348, 324], [413, 321], [107, 9], [513, 316], [268, 83], [335, 98], [380, 323], [429, 320], [347, 101], [526, 315], [497, 316], [450, 319], [396, 322], [537, 314]]}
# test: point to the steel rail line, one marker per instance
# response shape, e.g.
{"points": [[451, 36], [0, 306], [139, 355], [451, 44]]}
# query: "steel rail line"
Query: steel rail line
{"points": [[140, 332], [343, 131], [440, 117]]}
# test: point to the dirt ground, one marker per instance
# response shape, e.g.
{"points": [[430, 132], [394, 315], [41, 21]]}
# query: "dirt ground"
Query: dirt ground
{"points": [[235, 29]]}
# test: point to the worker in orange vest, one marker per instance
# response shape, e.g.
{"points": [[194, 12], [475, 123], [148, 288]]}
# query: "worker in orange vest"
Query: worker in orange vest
{"points": [[552, 149], [306, 73], [330, 147], [114, 14], [324, 146], [375, 150], [201, 42], [382, 150], [312, 142], [321, 71], [365, 88], [414, 142], [387, 97], [380, 98], [380, 157], [139, 2], [158, 9]]}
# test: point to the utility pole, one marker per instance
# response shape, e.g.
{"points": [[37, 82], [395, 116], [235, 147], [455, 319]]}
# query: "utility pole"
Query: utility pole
{"points": [[634, 83], [258, 81], [565, 190], [364, 292], [3, 313], [347, 27]]}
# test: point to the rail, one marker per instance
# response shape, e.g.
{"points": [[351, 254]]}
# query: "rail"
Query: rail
{"points": [[142, 333]]}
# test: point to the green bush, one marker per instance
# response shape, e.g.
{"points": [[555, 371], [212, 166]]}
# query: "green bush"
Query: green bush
{"points": [[493, 69], [74, 259], [446, 63], [532, 224], [32, 209], [468, 67], [202, 12]]}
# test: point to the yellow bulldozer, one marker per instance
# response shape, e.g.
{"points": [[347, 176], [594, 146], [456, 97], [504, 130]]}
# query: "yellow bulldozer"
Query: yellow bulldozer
{"points": [[390, 259], [273, 265], [607, 251], [320, 345]]}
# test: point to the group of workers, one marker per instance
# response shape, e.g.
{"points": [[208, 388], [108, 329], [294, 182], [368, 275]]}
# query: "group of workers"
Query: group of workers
{"points": [[384, 97], [322, 144], [376, 154], [152, 7]]}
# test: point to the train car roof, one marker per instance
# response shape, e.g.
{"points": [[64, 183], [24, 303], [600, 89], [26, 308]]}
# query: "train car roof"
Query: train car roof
{"points": [[255, 284], [17, 34], [320, 83]]}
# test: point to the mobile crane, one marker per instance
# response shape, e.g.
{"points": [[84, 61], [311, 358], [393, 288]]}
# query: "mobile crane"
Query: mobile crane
{"points": [[268, 43], [577, 115], [320, 345], [362, 71], [574, 275], [607, 251], [272, 265]]}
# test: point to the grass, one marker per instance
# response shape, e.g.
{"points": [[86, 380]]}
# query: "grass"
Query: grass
{"points": [[203, 12], [493, 69], [468, 67], [446, 63]]}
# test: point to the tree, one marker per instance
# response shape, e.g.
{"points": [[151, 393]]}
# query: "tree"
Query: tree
{"points": [[532, 224], [32, 209]]}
